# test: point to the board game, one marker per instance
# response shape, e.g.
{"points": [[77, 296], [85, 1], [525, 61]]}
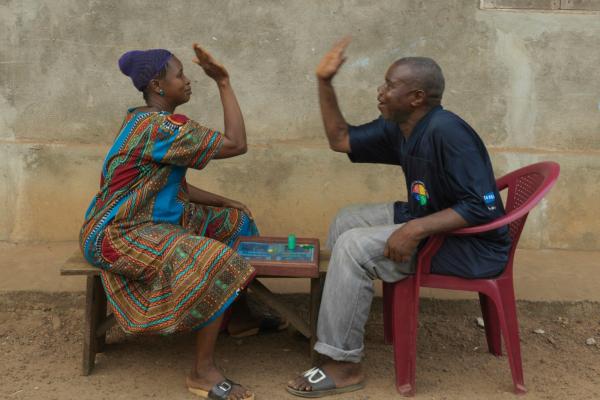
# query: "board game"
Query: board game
{"points": [[265, 251], [281, 256]]}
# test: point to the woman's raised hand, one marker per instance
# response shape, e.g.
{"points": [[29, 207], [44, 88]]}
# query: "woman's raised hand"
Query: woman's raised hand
{"points": [[333, 60], [210, 66]]}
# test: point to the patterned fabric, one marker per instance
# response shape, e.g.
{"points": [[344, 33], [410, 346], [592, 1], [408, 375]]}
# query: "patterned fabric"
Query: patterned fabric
{"points": [[166, 264]]}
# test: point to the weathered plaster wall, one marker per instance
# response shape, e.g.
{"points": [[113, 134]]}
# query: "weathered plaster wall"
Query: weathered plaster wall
{"points": [[529, 82]]}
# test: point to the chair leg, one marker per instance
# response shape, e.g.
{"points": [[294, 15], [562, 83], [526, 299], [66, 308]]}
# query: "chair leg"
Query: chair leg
{"points": [[92, 310], [404, 317], [507, 308], [492, 324], [388, 302]]}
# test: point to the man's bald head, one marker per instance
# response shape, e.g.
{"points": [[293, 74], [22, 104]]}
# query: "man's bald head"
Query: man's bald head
{"points": [[426, 75]]}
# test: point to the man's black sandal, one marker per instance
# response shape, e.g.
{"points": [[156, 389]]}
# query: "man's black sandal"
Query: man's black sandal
{"points": [[322, 385]]}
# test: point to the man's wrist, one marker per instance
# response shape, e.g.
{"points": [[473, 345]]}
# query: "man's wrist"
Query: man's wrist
{"points": [[417, 228]]}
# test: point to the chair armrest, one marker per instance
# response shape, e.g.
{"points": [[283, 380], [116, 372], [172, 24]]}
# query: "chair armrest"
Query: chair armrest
{"points": [[434, 242], [497, 223]]}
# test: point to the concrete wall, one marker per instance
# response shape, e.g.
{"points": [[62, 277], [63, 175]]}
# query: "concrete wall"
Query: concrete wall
{"points": [[527, 81]]}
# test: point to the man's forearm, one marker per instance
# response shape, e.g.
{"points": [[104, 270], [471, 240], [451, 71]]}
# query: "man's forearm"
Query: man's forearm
{"points": [[336, 127], [402, 244], [442, 221]]}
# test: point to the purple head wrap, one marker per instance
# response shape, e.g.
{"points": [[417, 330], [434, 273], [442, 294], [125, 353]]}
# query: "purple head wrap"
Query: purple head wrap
{"points": [[143, 65]]}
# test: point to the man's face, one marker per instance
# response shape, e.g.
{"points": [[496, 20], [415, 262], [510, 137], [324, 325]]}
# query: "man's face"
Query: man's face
{"points": [[398, 97]]}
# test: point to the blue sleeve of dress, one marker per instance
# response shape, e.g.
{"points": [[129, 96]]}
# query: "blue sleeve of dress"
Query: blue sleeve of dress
{"points": [[374, 142], [469, 175]]}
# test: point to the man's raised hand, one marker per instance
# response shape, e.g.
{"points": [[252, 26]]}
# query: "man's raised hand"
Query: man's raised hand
{"points": [[333, 60]]}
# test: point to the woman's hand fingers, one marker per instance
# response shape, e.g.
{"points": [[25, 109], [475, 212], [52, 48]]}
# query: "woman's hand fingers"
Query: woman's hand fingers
{"points": [[202, 55], [248, 212], [210, 66], [240, 206], [203, 58]]}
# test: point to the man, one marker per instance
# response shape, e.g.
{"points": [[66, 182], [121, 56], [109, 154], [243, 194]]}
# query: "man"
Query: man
{"points": [[450, 185]]}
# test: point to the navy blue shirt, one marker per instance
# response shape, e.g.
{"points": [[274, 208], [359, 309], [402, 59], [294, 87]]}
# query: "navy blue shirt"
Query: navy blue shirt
{"points": [[446, 165]]}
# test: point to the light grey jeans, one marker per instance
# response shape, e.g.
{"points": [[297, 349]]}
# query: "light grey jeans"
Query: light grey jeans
{"points": [[357, 238]]}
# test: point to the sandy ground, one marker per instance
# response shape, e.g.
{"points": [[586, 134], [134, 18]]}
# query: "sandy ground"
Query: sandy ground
{"points": [[41, 341]]}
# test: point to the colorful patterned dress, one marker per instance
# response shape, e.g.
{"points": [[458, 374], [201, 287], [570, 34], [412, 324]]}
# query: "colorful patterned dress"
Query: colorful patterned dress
{"points": [[166, 262]]}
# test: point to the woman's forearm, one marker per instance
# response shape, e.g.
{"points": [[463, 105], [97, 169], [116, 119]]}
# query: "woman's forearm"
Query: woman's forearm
{"points": [[203, 197], [206, 198], [235, 130]]}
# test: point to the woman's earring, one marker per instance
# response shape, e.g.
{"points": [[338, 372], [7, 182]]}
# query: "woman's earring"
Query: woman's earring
{"points": [[161, 93]]}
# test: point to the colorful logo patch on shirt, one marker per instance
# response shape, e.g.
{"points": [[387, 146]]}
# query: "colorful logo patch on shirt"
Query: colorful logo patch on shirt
{"points": [[419, 193], [490, 200]]}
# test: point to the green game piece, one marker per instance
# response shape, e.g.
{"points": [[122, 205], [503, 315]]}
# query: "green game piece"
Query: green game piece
{"points": [[291, 241]]}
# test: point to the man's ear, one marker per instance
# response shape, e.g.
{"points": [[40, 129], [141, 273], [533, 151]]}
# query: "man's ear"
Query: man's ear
{"points": [[419, 98]]}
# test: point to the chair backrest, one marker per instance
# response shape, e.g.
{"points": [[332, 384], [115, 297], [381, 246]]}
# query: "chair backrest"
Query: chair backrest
{"points": [[526, 187]]}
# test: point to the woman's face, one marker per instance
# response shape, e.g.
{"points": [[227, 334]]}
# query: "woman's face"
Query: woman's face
{"points": [[175, 85]]}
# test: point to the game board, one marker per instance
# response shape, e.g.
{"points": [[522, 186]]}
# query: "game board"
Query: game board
{"points": [[273, 251]]}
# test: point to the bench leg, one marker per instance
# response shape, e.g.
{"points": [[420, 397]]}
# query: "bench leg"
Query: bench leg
{"points": [[316, 289], [95, 314], [100, 319]]}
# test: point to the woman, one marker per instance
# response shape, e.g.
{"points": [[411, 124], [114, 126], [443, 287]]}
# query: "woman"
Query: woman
{"points": [[162, 244]]}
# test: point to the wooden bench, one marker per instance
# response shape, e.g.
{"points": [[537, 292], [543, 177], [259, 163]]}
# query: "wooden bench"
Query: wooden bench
{"points": [[97, 322]]}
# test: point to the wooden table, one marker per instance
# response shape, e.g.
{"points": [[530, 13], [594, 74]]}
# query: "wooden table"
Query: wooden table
{"points": [[289, 269]]}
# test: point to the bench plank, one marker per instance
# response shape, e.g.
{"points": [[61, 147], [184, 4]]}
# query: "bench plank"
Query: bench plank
{"points": [[78, 265]]}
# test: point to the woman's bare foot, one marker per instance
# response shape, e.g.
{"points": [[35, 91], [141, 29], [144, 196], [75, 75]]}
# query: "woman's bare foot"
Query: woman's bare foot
{"points": [[342, 373], [206, 377]]}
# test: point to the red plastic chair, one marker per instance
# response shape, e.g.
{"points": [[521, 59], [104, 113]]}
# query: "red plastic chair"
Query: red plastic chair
{"points": [[526, 187]]}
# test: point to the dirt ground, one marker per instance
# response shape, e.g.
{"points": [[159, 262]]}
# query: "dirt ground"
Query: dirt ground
{"points": [[41, 342]]}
